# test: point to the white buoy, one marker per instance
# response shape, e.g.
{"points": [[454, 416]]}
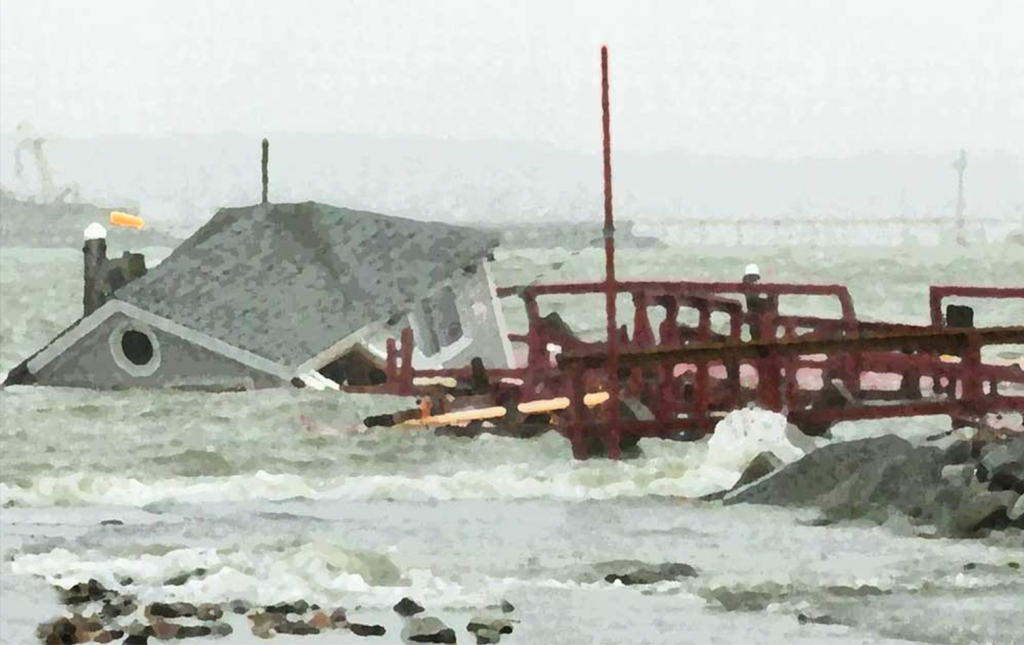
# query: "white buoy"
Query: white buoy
{"points": [[95, 231]]}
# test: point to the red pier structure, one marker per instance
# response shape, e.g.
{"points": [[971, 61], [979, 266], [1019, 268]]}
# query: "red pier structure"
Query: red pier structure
{"points": [[679, 380]]}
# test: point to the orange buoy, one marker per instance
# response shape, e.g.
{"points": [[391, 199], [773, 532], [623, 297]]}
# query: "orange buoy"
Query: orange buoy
{"points": [[118, 218]]}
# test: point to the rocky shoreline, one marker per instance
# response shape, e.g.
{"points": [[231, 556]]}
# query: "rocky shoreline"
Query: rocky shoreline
{"points": [[964, 487], [102, 615]]}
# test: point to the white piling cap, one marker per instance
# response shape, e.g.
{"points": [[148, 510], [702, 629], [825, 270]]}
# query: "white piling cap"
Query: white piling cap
{"points": [[752, 270], [95, 231]]}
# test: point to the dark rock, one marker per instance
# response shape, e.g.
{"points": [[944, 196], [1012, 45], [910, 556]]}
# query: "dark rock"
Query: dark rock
{"points": [[108, 636], [111, 523], [823, 619], [499, 625], [1013, 565], [182, 578], [338, 617], [507, 607], [163, 630], [60, 632], [119, 606], [172, 610], [297, 607], [84, 592], [960, 452], [761, 466], [856, 592], [876, 477], [263, 623], [239, 606], [1002, 465], [298, 628], [366, 630], [124, 581], [220, 630], [487, 637], [427, 630], [756, 599], [193, 631], [654, 573], [209, 611], [821, 472], [407, 607], [138, 634]]}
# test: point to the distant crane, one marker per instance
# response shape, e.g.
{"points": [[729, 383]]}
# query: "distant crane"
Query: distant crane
{"points": [[30, 142]]}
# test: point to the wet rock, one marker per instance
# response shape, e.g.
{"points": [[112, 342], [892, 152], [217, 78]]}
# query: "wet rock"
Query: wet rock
{"points": [[764, 464], [823, 619], [321, 621], [652, 574], [172, 610], [876, 477], [193, 631], [1002, 465], [112, 523], [755, 599], [182, 578], [338, 617], [507, 607], [239, 606], [856, 592], [220, 630], [959, 474], [961, 452], [84, 592], [297, 628], [263, 623], [297, 607], [209, 611], [487, 636], [138, 634], [427, 630], [407, 607], [108, 636], [124, 581], [59, 632], [164, 630], [499, 625], [119, 606], [367, 630]]}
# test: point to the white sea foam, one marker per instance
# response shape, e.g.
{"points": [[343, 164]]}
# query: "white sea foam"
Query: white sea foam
{"points": [[699, 469]]}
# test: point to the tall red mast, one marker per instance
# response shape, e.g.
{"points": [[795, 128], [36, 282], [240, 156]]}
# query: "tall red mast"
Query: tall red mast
{"points": [[611, 287]]}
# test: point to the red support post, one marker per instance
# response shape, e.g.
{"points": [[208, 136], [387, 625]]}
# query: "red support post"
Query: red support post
{"points": [[405, 375], [610, 287]]}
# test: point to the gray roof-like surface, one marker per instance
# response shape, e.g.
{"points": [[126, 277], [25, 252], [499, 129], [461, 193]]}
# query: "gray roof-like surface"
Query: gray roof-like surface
{"points": [[287, 281]]}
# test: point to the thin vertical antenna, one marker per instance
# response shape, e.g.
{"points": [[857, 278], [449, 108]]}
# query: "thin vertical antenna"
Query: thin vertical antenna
{"points": [[611, 287], [266, 175]]}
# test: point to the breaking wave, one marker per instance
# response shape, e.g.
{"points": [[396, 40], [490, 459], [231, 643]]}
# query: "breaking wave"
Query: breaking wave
{"points": [[697, 470]]}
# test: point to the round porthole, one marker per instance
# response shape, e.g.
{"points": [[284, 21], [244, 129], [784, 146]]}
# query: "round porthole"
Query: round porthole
{"points": [[135, 349]]}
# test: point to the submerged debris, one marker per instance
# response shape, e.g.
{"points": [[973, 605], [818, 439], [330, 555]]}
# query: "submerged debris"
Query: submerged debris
{"points": [[651, 574]]}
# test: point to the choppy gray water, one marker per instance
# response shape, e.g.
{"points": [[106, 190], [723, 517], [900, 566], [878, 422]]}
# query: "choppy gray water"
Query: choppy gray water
{"points": [[235, 485]]}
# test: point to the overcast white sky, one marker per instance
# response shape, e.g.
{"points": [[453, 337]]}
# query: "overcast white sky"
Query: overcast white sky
{"points": [[758, 78]]}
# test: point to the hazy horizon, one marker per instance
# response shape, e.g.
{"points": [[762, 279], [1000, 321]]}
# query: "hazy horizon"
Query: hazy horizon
{"points": [[762, 80]]}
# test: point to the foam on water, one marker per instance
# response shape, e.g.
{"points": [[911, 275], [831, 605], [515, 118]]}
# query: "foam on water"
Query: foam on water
{"points": [[690, 471]]}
